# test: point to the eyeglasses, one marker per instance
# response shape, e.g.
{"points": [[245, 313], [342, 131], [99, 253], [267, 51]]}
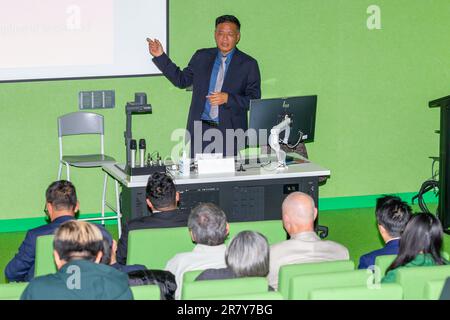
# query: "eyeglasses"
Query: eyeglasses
{"points": [[46, 211]]}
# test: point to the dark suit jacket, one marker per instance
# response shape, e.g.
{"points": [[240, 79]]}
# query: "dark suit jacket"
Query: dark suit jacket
{"points": [[166, 219], [21, 267], [242, 82], [369, 259]]}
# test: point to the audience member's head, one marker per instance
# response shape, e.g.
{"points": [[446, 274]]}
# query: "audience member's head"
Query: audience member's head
{"points": [[422, 235], [61, 199], [248, 255], [208, 225], [161, 192], [77, 240], [392, 216], [299, 213]]}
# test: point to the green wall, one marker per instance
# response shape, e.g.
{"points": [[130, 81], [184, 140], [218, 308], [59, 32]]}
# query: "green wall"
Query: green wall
{"points": [[374, 129]]}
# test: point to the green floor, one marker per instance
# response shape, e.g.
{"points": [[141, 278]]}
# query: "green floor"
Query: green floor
{"points": [[354, 228]]}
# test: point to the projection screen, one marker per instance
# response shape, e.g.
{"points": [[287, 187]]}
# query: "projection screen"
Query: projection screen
{"points": [[66, 39]]}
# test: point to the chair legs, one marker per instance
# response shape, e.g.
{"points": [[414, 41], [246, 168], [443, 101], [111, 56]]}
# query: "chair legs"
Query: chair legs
{"points": [[67, 170], [104, 203], [105, 182], [119, 213], [59, 170]]}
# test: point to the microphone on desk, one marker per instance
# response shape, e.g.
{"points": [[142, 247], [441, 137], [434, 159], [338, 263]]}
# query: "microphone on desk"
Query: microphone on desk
{"points": [[133, 152], [142, 148]]}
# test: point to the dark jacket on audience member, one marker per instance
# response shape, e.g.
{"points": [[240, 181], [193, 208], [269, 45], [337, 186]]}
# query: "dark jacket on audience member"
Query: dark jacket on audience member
{"points": [[21, 267], [368, 259], [166, 219], [216, 274], [80, 280]]}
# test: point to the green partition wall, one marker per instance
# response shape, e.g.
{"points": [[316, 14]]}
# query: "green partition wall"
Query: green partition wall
{"points": [[374, 129]]}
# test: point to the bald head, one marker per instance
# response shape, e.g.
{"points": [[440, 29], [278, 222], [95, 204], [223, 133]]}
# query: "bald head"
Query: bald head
{"points": [[299, 212]]}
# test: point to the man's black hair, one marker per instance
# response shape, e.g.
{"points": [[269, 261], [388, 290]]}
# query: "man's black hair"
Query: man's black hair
{"points": [[161, 190], [393, 214], [228, 18], [62, 195]]}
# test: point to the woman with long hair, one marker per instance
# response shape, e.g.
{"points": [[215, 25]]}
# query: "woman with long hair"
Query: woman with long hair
{"points": [[420, 245]]}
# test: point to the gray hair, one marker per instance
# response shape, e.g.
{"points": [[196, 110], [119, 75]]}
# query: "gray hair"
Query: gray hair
{"points": [[248, 254], [208, 224]]}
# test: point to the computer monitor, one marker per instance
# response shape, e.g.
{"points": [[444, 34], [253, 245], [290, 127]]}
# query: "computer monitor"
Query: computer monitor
{"points": [[266, 113]]}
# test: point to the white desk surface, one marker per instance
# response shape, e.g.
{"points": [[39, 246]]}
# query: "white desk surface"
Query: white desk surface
{"points": [[253, 172]]}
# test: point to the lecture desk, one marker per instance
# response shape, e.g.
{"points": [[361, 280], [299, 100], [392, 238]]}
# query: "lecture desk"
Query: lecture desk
{"points": [[251, 195]]}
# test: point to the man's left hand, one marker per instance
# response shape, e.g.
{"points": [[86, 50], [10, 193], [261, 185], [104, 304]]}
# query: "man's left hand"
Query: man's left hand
{"points": [[217, 98]]}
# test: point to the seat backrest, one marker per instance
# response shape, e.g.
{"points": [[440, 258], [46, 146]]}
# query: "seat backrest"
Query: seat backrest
{"points": [[80, 123], [12, 291], [213, 288], [190, 276], [269, 295], [413, 279], [383, 262], [388, 291], [44, 262], [300, 287], [154, 247], [272, 229], [146, 292], [287, 272], [433, 289]]}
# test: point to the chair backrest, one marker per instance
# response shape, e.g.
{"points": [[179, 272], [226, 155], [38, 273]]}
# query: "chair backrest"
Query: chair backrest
{"points": [[388, 291], [146, 292], [300, 287], [154, 247], [287, 272], [272, 229], [12, 291], [190, 276], [383, 262], [77, 123], [413, 279], [269, 295], [433, 289], [213, 288], [44, 262], [80, 123]]}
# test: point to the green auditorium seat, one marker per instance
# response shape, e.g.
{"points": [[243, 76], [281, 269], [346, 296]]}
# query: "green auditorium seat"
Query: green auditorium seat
{"points": [[272, 229], [433, 289], [287, 272], [154, 247], [216, 288], [383, 262], [146, 292], [300, 287], [414, 279], [44, 262], [269, 295], [12, 291], [388, 291], [190, 276]]}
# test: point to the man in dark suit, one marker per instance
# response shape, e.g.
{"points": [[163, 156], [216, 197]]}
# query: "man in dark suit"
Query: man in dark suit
{"points": [[392, 216], [162, 199], [61, 206], [224, 80]]}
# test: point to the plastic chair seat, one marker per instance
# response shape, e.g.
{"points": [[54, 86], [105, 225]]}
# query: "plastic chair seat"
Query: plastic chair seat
{"points": [[88, 160]]}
